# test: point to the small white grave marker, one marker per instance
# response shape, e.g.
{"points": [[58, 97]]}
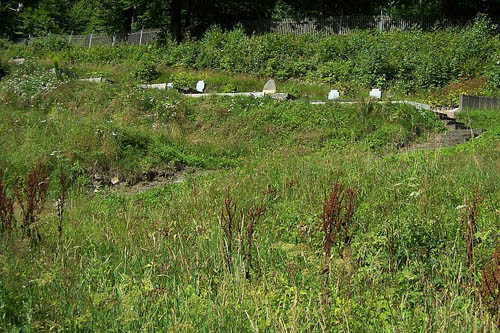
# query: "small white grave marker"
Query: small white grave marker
{"points": [[170, 85], [376, 93], [200, 86], [333, 94]]}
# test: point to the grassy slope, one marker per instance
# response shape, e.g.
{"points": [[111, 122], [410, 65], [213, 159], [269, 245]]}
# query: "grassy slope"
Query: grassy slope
{"points": [[441, 62], [154, 261]]}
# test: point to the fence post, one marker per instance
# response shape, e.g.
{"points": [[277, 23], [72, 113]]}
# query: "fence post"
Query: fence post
{"points": [[70, 36], [90, 40], [113, 40], [382, 20], [340, 23], [140, 38]]}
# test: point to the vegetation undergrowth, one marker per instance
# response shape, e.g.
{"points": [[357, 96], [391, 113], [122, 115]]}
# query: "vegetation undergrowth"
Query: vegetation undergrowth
{"points": [[405, 62]]}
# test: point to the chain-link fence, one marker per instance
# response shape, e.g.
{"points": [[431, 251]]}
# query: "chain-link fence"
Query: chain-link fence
{"points": [[142, 37], [329, 26]]}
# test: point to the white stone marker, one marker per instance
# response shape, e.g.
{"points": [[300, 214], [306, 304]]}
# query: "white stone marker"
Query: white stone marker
{"points": [[376, 93], [333, 94], [200, 86], [270, 87], [170, 85]]}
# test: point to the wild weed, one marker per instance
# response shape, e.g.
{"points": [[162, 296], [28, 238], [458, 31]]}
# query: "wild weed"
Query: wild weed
{"points": [[61, 201], [254, 216], [228, 223], [244, 222], [31, 198], [338, 211], [6, 205], [469, 224], [490, 286]]}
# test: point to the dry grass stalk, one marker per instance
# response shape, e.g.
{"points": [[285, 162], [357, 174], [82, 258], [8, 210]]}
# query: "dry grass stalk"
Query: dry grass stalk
{"points": [[6, 205], [61, 201], [337, 216], [237, 221], [31, 198], [254, 215], [469, 223], [490, 286], [228, 223]]}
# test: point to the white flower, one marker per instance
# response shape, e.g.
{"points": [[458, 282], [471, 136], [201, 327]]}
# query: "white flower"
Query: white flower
{"points": [[460, 207], [414, 194]]}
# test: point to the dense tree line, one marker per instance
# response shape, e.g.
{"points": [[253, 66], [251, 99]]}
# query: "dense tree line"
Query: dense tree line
{"points": [[191, 17]]}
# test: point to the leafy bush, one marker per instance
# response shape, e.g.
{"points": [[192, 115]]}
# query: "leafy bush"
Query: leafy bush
{"points": [[407, 60], [494, 76], [30, 80], [146, 71], [51, 43]]}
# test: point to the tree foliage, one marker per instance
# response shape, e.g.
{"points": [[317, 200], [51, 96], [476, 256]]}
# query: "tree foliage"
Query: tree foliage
{"points": [[181, 18]]}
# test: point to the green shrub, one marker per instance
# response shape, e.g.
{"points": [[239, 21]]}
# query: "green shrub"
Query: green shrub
{"points": [[146, 71], [407, 60], [52, 43], [494, 76]]}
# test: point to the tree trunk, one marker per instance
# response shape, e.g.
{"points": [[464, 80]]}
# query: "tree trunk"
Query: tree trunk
{"points": [[127, 21], [187, 24], [176, 20]]}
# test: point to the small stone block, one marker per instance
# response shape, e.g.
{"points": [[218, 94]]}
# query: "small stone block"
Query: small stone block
{"points": [[200, 86], [333, 94], [94, 80], [17, 61], [161, 86], [170, 85], [270, 87], [376, 93]]}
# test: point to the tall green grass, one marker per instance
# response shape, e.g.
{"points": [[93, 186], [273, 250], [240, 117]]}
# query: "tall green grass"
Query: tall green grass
{"points": [[156, 260]]}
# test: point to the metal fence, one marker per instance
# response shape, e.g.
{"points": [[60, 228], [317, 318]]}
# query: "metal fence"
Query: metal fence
{"points": [[142, 37], [329, 26], [479, 103], [346, 24]]}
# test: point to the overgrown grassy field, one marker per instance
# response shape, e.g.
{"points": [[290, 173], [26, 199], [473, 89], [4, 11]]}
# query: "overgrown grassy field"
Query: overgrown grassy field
{"points": [[261, 242]]}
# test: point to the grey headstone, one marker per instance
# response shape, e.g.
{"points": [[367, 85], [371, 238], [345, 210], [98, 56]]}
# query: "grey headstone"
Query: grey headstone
{"points": [[376, 93], [270, 87], [333, 94], [200, 86]]}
